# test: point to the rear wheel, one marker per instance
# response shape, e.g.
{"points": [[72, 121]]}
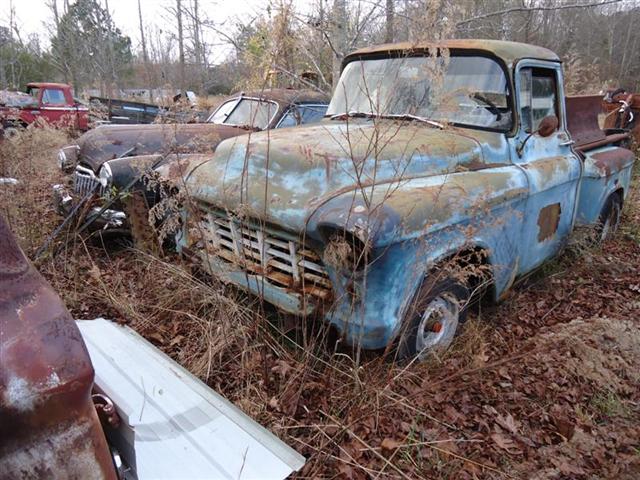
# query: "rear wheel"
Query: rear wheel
{"points": [[609, 217], [433, 318]]}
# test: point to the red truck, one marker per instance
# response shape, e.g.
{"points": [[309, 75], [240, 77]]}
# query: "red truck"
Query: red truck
{"points": [[52, 102]]}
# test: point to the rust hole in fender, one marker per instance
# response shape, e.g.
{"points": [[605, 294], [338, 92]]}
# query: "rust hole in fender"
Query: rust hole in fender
{"points": [[548, 221]]}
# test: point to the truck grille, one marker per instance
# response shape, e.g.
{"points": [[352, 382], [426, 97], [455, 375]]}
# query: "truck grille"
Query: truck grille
{"points": [[285, 262], [84, 180]]}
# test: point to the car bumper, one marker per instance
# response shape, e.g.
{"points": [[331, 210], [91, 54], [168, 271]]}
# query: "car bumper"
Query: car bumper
{"points": [[109, 219]]}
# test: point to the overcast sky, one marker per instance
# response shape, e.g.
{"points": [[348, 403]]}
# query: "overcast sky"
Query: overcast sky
{"points": [[33, 15]]}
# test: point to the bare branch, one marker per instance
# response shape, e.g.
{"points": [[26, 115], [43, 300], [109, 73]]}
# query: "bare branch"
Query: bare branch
{"points": [[531, 9]]}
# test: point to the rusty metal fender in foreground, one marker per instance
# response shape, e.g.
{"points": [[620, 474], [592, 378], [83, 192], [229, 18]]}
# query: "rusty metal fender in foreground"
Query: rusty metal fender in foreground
{"points": [[48, 424]]}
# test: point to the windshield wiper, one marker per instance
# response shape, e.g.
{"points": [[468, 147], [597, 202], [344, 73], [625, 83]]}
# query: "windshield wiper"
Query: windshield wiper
{"points": [[409, 116], [353, 114]]}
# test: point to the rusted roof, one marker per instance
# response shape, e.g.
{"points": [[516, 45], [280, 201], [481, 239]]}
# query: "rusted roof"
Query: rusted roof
{"points": [[508, 51], [288, 95], [48, 85], [45, 380]]}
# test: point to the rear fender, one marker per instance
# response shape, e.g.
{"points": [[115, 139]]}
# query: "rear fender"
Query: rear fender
{"points": [[606, 170]]}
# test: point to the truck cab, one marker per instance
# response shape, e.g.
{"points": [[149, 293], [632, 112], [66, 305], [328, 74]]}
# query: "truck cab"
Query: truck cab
{"points": [[51, 103]]}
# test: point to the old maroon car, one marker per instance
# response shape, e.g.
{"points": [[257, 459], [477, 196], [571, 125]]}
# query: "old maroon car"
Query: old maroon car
{"points": [[111, 158]]}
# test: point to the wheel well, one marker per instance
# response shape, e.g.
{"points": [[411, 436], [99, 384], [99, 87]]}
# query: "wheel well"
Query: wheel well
{"points": [[473, 264], [620, 193]]}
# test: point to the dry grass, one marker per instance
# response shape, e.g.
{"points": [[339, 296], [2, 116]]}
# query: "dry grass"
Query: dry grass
{"points": [[30, 157]]}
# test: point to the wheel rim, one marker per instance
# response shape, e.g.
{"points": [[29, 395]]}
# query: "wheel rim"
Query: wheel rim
{"points": [[438, 324]]}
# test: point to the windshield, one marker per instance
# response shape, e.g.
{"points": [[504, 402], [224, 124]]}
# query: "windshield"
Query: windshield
{"points": [[245, 112], [467, 90], [302, 114]]}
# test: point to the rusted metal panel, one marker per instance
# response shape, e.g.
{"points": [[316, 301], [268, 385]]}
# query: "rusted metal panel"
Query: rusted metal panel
{"points": [[48, 424], [583, 112], [606, 170], [144, 235], [582, 118], [612, 160], [548, 221]]}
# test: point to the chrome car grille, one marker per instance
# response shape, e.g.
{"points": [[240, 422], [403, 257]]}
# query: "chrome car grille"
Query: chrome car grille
{"points": [[285, 262], [84, 180]]}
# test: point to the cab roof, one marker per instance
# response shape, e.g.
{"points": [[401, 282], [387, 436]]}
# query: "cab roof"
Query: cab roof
{"points": [[509, 52], [48, 85], [287, 96]]}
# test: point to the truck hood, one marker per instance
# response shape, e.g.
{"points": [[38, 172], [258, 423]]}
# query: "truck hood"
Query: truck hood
{"points": [[283, 176], [112, 141]]}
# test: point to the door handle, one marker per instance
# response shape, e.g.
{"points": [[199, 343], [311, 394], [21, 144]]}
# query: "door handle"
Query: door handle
{"points": [[566, 143]]}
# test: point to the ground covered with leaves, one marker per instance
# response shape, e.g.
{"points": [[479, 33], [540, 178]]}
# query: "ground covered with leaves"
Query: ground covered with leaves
{"points": [[545, 385]]}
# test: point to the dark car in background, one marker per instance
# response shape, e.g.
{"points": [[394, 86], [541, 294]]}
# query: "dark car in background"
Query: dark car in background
{"points": [[112, 158]]}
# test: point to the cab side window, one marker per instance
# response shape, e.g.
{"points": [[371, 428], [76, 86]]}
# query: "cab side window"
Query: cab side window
{"points": [[53, 96], [538, 97]]}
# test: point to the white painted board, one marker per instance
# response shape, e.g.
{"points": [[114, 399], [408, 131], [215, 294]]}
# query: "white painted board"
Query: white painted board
{"points": [[175, 426]]}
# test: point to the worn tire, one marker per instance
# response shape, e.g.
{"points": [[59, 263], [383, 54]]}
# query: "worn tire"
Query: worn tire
{"points": [[433, 318], [609, 218], [10, 132]]}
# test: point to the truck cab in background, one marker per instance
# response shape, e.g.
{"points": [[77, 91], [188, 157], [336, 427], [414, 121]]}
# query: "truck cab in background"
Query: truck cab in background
{"points": [[53, 103]]}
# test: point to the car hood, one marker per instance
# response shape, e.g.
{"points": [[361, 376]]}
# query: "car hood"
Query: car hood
{"points": [[283, 176], [113, 141]]}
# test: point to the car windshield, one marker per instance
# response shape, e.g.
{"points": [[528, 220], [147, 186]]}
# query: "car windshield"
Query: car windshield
{"points": [[247, 112], [302, 114], [465, 90]]}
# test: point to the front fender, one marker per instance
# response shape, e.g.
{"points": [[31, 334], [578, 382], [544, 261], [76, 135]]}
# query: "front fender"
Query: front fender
{"points": [[412, 227], [127, 169]]}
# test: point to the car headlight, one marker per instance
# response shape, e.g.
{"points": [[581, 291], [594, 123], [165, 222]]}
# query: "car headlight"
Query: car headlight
{"points": [[105, 175], [345, 250], [68, 157], [62, 159]]}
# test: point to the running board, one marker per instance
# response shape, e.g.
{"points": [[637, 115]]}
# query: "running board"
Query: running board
{"points": [[173, 425]]}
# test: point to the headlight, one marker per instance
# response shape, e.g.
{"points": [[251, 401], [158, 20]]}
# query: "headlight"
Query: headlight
{"points": [[62, 159], [105, 175], [345, 251], [68, 157]]}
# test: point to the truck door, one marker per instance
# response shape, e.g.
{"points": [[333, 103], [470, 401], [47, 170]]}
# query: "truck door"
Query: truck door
{"points": [[553, 170], [54, 107], [30, 113]]}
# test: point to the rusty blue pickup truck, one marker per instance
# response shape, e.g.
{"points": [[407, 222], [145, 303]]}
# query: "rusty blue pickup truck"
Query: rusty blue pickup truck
{"points": [[441, 172]]}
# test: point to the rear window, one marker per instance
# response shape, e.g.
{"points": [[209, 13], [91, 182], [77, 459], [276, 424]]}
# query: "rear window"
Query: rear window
{"points": [[53, 96]]}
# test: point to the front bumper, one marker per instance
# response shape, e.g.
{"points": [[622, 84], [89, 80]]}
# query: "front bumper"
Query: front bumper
{"points": [[110, 219]]}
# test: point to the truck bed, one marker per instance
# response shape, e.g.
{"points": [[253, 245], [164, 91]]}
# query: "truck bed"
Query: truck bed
{"points": [[583, 122]]}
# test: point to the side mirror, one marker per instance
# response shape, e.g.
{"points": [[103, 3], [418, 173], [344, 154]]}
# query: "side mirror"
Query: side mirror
{"points": [[548, 125]]}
